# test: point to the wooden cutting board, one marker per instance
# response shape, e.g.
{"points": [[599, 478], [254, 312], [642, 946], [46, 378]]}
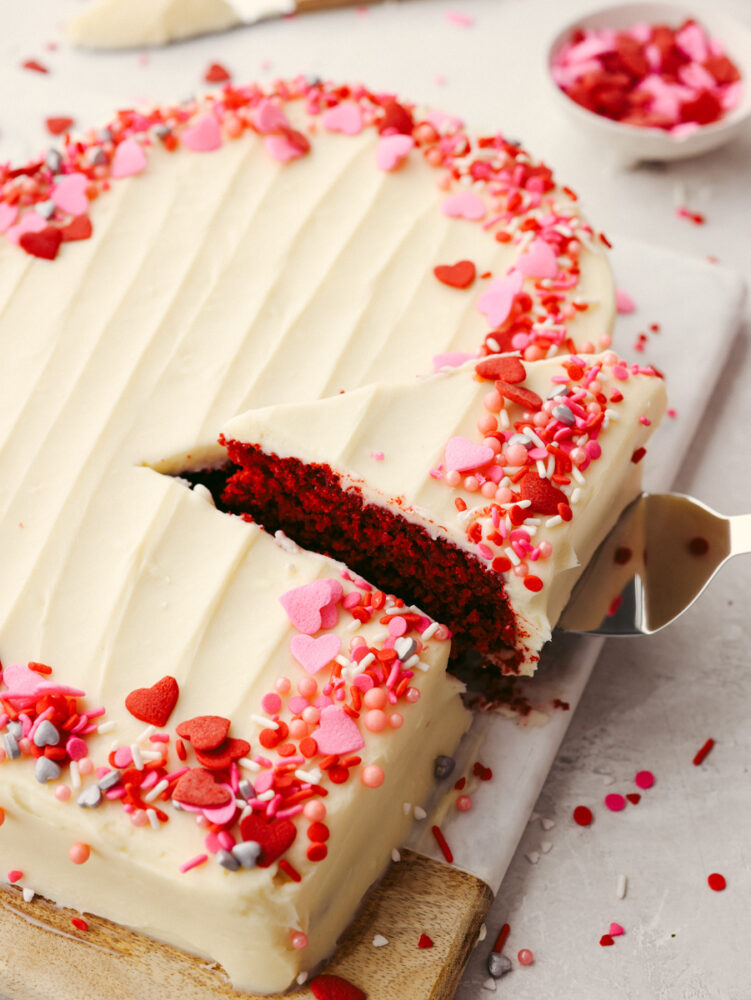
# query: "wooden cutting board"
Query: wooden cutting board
{"points": [[44, 957]]}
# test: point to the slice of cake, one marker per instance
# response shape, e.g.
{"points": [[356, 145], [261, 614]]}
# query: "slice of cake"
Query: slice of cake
{"points": [[122, 24], [236, 797], [480, 493]]}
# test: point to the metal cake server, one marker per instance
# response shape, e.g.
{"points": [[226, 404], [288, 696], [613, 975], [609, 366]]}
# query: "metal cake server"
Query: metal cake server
{"points": [[656, 561]]}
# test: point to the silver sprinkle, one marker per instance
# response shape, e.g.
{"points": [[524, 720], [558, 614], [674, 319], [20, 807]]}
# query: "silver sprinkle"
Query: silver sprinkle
{"points": [[45, 208], [46, 735], [559, 390], [162, 131], [53, 160], [227, 860], [15, 728], [562, 413], [246, 852], [405, 647], [12, 748], [109, 780], [245, 789], [46, 770], [100, 158], [105, 134], [521, 439], [443, 767], [90, 797], [498, 965]]}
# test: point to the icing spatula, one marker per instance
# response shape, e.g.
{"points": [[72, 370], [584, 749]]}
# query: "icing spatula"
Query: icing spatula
{"points": [[656, 561]]}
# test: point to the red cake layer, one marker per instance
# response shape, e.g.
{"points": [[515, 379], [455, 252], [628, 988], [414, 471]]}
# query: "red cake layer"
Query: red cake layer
{"points": [[308, 503]]}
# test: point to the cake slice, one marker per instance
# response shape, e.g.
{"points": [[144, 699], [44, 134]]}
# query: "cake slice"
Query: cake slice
{"points": [[122, 24], [309, 710], [479, 493]]}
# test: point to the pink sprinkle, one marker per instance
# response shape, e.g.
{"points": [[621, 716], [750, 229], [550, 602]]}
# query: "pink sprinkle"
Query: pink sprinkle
{"points": [[644, 779], [397, 626], [645, 421], [620, 372], [377, 455], [199, 859], [14, 875], [289, 813], [615, 930], [271, 703], [458, 19], [624, 303], [174, 775], [615, 802]]}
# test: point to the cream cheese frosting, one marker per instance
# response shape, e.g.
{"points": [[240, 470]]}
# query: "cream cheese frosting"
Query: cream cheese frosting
{"points": [[398, 444], [122, 24], [157, 277]]}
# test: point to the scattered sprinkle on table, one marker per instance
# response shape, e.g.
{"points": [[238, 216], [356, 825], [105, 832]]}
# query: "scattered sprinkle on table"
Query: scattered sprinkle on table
{"points": [[716, 881], [526, 957], [583, 816], [644, 779], [614, 802], [701, 754]]}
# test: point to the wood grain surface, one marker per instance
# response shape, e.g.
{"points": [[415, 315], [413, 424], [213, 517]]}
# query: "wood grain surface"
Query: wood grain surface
{"points": [[43, 957]]}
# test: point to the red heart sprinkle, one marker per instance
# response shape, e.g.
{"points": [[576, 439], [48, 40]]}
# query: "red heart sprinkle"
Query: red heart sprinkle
{"points": [[522, 397], [205, 732], [543, 496], [222, 757], [425, 941], [216, 73], [43, 244], [633, 797], [198, 788], [507, 369], [606, 940], [396, 118], [56, 126], [274, 837], [79, 228], [154, 705], [459, 275], [335, 988]]}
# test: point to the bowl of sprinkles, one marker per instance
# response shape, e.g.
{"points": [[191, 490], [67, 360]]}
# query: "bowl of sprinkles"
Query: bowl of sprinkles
{"points": [[654, 81]]}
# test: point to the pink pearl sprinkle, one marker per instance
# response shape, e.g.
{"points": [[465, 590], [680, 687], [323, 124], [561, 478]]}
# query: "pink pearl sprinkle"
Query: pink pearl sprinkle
{"points": [[139, 818], [79, 853], [85, 766], [271, 703], [644, 779], [488, 490], [471, 484], [314, 811], [396, 720], [298, 729], [307, 687], [487, 424], [283, 685], [375, 698], [615, 802], [375, 720], [299, 940], [311, 714], [453, 478], [516, 454], [372, 776], [526, 957], [413, 695], [62, 793], [464, 803], [493, 402]]}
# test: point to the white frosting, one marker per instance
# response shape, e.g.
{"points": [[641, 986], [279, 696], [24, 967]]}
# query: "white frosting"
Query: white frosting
{"points": [[120, 24], [204, 291], [410, 423]]}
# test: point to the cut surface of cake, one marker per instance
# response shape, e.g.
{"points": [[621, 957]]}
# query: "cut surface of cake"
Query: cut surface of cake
{"points": [[487, 522], [157, 277]]}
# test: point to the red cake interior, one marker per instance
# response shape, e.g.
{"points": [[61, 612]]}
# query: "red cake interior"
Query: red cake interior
{"points": [[308, 503]]}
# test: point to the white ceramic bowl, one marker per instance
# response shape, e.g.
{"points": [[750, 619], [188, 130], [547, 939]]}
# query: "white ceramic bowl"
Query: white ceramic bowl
{"points": [[633, 143]]}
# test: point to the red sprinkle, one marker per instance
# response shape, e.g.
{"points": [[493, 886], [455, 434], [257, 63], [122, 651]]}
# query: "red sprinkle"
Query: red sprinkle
{"points": [[441, 840], [14, 875], [500, 941], [56, 126], [701, 754], [606, 940], [287, 868], [425, 941], [216, 73], [716, 881], [34, 65], [583, 816], [79, 923]]}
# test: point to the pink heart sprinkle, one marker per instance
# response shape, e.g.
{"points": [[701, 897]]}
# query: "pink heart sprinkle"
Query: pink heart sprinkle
{"points": [[329, 615], [623, 301], [465, 205], [30, 222], [129, 159], [539, 261], [205, 136], [281, 149], [70, 194], [495, 304], [463, 454], [337, 733], [76, 748], [222, 814], [21, 680], [8, 215], [345, 117], [393, 150], [315, 654], [303, 605], [615, 930], [451, 359], [268, 117]]}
